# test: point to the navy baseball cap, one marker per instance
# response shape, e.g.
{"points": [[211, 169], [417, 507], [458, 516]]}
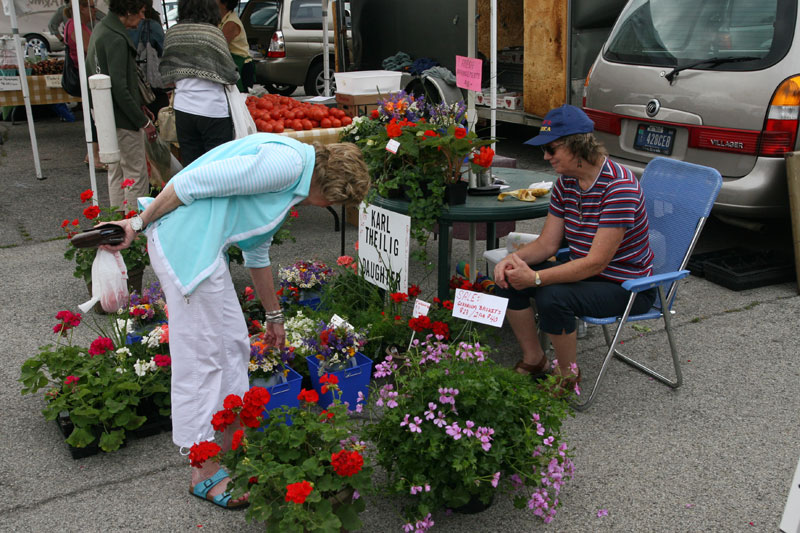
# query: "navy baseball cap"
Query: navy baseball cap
{"points": [[560, 122]]}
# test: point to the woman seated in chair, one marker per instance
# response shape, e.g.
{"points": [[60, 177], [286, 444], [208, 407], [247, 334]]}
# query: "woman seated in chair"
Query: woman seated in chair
{"points": [[598, 207]]}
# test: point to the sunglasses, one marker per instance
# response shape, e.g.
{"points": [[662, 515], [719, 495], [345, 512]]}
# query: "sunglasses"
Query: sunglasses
{"points": [[550, 149]]}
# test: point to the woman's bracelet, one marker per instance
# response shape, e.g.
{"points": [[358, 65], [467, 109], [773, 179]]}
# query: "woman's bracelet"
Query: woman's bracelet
{"points": [[275, 317]]}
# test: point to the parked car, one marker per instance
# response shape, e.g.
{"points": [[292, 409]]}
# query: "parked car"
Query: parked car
{"points": [[33, 27], [288, 33], [713, 82]]}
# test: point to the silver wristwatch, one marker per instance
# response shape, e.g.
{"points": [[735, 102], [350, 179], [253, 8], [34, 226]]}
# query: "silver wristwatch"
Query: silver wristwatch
{"points": [[136, 223]]}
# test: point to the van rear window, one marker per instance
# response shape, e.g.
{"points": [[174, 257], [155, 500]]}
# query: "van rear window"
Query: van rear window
{"points": [[751, 34]]}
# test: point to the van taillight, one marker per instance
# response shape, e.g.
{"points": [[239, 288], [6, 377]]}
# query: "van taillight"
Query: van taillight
{"points": [[277, 46], [604, 121], [780, 130]]}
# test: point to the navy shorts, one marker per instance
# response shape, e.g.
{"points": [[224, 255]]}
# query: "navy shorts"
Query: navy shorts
{"points": [[558, 305]]}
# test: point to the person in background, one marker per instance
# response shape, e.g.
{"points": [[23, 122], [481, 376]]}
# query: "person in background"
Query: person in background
{"points": [[196, 59], [234, 33], [111, 52], [60, 18], [239, 193], [151, 29], [598, 207], [88, 8]]}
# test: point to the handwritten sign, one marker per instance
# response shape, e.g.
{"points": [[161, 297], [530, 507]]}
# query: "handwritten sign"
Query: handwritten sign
{"points": [[479, 307], [52, 81], [383, 247], [421, 308], [10, 83], [339, 322], [468, 73]]}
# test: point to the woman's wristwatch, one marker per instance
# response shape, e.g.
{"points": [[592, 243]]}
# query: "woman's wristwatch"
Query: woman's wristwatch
{"points": [[137, 224], [538, 280]]}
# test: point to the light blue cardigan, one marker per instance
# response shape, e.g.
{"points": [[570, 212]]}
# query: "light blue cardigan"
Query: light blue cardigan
{"points": [[239, 192]]}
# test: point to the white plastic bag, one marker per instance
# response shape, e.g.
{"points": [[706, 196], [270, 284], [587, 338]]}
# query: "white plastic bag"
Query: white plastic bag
{"points": [[243, 124], [109, 282]]}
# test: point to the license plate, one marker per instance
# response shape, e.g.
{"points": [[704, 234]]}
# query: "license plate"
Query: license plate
{"points": [[653, 138]]}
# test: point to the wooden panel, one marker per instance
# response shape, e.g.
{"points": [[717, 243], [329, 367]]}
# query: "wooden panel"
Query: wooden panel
{"points": [[510, 25], [545, 69]]}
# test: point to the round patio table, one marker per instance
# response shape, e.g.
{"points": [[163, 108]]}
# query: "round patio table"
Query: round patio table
{"points": [[479, 209]]}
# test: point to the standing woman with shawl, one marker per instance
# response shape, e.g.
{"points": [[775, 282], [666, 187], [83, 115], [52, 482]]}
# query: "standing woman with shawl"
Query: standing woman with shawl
{"points": [[196, 59]]}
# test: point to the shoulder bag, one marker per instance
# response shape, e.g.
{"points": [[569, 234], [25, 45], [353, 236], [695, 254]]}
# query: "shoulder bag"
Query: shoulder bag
{"points": [[166, 123], [70, 77], [243, 124]]}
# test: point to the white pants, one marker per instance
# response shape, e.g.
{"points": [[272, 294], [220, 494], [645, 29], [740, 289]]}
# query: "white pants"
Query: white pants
{"points": [[209, 346]]}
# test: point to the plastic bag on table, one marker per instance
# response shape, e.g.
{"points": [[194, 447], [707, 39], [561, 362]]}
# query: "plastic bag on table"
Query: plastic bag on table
{"points": [[109, 282]]}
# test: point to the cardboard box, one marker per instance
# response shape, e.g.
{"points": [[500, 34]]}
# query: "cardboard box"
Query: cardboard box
{"points": [[507, 100], [359, 104]]}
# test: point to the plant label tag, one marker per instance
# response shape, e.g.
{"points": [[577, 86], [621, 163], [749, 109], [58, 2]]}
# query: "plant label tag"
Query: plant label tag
{"points": [[52, 81], [478, 307], [10, 83], [339, 322], [421, 308], [393, 146]]}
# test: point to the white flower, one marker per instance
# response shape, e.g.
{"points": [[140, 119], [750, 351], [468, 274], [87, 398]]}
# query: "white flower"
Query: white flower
{"points": [[124, 326], [153, 338], [140, 368], [123, 352], [120, 370]]}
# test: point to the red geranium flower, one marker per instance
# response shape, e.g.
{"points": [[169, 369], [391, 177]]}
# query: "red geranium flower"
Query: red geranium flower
{"points": [[293, 213], [399, 297], [460, 133], [201, 452], [100, 346], [127, 183], [91, 212], [238, 435], [76, 222], [130, 214], [69, 380], [414, 291], [298, 492], [484, 157], [326, 415], [86, 195], [232, 401], [325, 336], [162, 359], [65, 224], [327, 379], [256, 397], [347, 463], [419, 324], [430, 133], [374, 114], [222, 419], [248, 294], [309, 396], [448, 304], [441, 328]]}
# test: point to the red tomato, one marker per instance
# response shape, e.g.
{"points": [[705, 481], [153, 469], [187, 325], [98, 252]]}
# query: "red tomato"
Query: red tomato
{"points": [[315, 123], [346, 121], [300, 114], [278, 127], [268, 127], [336, 123], [307, 125], [325, 123], [275, 115]]}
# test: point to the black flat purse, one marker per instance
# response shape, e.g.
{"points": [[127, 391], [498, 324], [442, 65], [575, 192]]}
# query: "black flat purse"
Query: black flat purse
{"points": [[70, 79], [99, 235]]}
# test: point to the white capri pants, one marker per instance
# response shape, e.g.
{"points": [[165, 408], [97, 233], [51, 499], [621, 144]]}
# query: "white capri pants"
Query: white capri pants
{"points": [[209, 347]]}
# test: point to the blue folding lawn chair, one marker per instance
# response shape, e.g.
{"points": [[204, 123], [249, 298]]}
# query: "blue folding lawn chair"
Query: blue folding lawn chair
{"points": [[678, 199]]}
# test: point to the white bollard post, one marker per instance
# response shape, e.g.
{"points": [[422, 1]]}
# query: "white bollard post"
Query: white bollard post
{"points": [[103, 114]]}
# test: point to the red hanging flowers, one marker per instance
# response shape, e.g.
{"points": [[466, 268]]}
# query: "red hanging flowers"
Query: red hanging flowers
{"points": [[201, 452], [298, 492], [86, 195], [346, 463]]}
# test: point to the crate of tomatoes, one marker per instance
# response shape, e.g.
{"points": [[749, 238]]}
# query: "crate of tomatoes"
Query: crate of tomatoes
{"points": [[274, 114]]}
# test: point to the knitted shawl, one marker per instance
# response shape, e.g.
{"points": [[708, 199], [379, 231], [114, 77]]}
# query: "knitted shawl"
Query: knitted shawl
{"points": [[196, 50]]}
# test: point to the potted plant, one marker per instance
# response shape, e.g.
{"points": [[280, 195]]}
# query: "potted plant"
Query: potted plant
{"points": [[98, 391], [455, 428], [419, 151], [302, 282], [336, 350], [269, 368], [135, 256], [309, 476]]}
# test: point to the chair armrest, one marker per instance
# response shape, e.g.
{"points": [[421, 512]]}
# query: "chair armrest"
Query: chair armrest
{"points": [[648, 282], [562, 254]]}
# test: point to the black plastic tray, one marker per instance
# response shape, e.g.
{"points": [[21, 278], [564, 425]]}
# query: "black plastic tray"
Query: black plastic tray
{"points": [[750, 270], [697, 261]]}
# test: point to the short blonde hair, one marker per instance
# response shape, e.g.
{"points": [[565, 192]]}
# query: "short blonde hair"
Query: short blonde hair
{"points": [[341, 173]]}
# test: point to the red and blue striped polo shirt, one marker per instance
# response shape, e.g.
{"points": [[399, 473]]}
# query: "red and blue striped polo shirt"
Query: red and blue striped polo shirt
{"points": [[615, 200]]}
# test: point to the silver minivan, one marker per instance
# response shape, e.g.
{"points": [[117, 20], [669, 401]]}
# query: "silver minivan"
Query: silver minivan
{"points": [[713, 82]]}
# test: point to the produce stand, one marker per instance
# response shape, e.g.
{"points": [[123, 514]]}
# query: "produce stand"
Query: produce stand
{"points": [[43, 90]]}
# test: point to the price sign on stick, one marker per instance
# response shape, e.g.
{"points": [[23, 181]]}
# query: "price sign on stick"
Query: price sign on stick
{"points": [[479, 307], [421, 308], [468, 73]]}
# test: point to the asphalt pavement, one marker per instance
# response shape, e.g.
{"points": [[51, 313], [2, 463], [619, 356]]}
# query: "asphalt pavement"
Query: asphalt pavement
{"points": [[717, 454]]}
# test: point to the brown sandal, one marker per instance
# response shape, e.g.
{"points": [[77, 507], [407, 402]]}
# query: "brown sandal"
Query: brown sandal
{"points": [[536, 372]]}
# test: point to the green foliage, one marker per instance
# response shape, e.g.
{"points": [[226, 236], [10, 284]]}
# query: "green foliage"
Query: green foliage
{"points": [[458, 470], [276, 455]]}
